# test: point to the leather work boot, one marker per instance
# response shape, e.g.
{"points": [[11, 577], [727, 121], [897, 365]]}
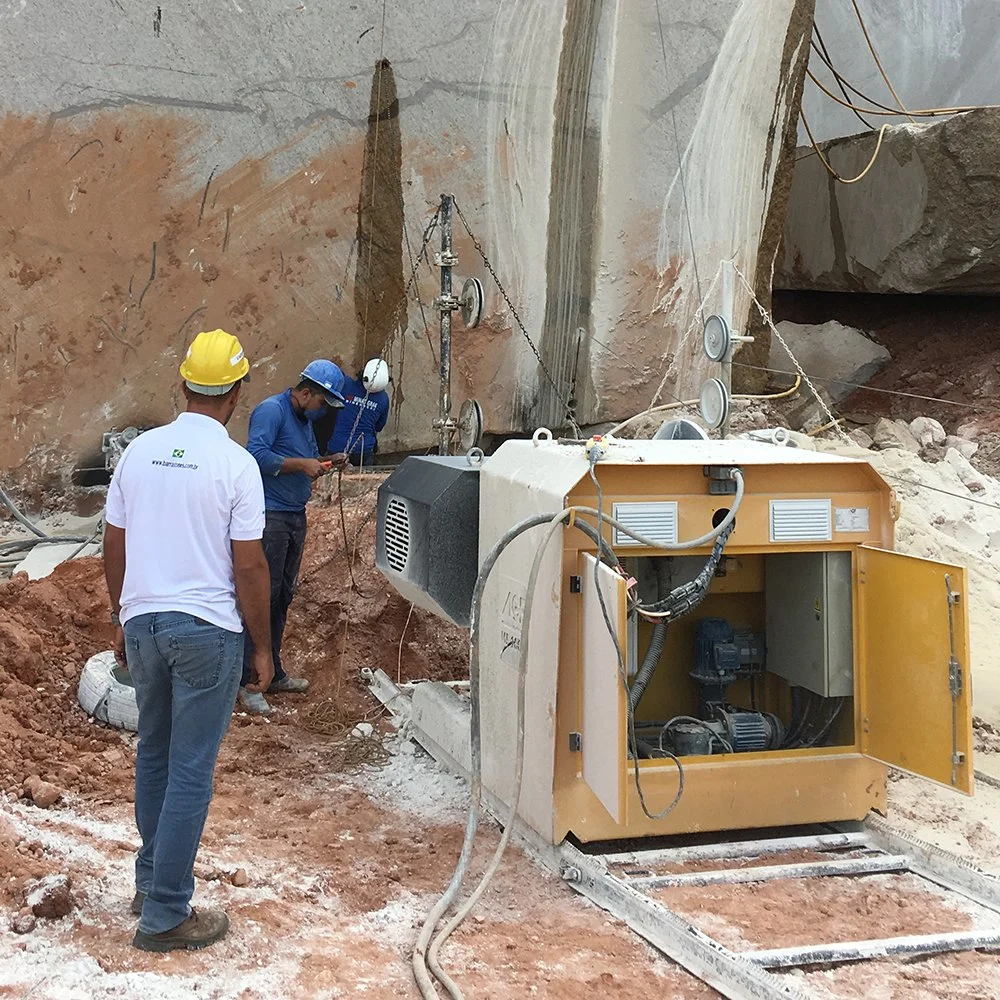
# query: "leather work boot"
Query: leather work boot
{"points": [[290, 685], [202, 928], [254, 702], [137, 900]]}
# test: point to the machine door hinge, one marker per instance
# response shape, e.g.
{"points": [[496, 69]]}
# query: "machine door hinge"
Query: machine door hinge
{"points": [[574, 585], [955, 680], [576, 742]]}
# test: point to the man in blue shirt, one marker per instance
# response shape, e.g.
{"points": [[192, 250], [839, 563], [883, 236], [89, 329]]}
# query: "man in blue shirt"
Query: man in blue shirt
{"points": [[364, 414], [283, 442]]}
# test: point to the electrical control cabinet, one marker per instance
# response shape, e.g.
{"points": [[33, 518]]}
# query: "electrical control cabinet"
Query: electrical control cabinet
{"points": [[809, 598], [816, 657], [812, 658]]}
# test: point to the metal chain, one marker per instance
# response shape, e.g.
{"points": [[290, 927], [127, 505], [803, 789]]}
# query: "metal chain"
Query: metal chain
{"points": [[765, 316], [428, 233], [517, 318]]}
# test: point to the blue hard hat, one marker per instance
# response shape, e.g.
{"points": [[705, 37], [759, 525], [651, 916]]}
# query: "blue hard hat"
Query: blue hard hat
{"points": [[328, 377]]}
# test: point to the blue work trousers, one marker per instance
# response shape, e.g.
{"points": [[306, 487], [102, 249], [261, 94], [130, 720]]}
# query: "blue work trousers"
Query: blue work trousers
{"points": [[284, 541], [186, 672]]}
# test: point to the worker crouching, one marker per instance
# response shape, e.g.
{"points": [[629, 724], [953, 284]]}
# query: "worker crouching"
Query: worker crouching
{"points": [[363, 416]]}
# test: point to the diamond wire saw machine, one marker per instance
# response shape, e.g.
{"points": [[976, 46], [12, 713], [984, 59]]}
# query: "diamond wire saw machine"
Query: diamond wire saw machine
{"points": [[783, 665]]}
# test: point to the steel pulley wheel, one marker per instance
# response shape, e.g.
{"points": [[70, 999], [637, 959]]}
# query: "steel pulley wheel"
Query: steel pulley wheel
{"points": [[471, 300], [470, 425]]}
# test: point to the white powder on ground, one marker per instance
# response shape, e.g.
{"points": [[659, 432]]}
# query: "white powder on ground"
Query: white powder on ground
{"points": [[46, 828], [394, 925], [52, 969], [415, 783]]}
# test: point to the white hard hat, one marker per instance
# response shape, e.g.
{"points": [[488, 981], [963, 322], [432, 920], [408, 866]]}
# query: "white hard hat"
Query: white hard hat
{"points": [[376, 375]]}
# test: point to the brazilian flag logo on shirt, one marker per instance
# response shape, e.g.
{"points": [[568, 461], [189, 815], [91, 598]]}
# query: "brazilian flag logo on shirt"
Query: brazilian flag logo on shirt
{"points": [[178, 453]]}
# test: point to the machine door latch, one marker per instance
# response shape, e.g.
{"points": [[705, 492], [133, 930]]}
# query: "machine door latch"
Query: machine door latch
{"points": [[954, 666], [576, 742], [574, 585], [954, 677]]}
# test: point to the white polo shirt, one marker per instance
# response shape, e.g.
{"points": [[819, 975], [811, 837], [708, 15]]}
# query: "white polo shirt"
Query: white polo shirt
{"points": [[182, 493]]}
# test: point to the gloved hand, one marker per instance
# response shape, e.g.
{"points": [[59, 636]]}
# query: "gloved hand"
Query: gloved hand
{"points": [[332, 462]]}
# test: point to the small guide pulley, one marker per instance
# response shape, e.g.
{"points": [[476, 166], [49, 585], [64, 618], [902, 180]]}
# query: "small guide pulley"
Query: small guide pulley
{"points": [[470, 424], [471, 302], [717, 338], [713, 402]]}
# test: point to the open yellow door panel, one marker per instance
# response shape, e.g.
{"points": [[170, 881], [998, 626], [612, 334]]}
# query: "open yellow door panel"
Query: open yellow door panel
{"points": [[916, 698], [603, 723]]}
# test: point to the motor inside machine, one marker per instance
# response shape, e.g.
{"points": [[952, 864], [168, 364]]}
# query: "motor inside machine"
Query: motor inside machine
{"points": [[754, 653]]}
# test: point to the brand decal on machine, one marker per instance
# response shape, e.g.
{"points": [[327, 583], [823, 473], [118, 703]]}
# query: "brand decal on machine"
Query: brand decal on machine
{"points": [[511, 618]]}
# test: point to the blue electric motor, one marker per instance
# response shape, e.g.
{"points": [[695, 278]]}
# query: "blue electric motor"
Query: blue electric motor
{"points": [[723, 655]]}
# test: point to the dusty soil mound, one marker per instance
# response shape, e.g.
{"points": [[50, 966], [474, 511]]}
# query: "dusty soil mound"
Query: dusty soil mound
{"points": [[339, 624], [48, 628]]}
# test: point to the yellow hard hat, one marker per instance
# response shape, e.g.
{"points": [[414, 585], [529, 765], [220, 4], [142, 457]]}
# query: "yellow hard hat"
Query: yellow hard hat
{"points": [[214, 362]]}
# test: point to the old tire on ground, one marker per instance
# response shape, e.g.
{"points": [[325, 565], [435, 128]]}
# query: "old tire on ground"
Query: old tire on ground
{"points": [[106, 693]]}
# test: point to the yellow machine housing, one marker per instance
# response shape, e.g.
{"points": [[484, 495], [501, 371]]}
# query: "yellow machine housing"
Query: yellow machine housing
{"points": [[809, 563]]}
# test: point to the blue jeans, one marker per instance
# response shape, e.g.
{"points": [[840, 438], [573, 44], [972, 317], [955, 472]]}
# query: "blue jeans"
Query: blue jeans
{"points": [[284, 539], [186, 672]]}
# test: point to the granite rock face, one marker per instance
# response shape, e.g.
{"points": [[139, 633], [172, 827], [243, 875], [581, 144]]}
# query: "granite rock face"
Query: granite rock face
{"points": [[926, 218], [173, 174]]}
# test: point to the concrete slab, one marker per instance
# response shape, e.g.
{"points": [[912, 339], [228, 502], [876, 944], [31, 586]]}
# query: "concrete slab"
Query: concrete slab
{"points": [[440, 719], [59, 523], [43, 559]]}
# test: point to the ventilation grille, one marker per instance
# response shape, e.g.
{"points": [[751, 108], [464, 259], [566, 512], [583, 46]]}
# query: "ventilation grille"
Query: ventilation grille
{"points": [[656, 520], [397, 534], [801, 521]]}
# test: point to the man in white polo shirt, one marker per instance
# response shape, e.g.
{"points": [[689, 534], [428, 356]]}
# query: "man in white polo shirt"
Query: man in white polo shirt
{"points": [[183, 559]]}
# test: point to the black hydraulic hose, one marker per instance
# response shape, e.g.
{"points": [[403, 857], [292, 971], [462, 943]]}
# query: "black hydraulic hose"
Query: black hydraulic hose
{"points": [[649, 664], [647, 751], [689, 595], [800, 716], [681, 601]]}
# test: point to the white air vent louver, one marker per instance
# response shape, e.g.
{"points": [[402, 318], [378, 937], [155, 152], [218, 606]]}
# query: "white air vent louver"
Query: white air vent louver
{"points": [[397, 534], [657, 520], [801, 520]]}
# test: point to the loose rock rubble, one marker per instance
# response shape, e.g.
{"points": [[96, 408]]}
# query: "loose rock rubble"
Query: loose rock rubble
{"points": [[43, 793], [51, 897], [23, 923]]}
